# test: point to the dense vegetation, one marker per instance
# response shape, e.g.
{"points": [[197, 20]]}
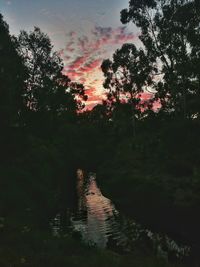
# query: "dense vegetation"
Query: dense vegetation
{"points": [[146, 152]]}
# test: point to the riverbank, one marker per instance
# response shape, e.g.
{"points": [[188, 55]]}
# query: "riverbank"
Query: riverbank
{"points": [[27, 248], [160, 200]]}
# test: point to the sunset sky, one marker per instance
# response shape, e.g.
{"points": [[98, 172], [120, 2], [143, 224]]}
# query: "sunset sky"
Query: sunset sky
{"points": [[84, 32]]}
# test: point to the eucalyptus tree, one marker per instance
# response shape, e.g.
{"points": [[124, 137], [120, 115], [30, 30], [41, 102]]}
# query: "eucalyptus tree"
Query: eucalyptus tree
{"points": [[48, 90], [167, 30], [126, 77]]}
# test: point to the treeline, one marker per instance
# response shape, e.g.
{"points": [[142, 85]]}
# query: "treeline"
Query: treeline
{"points": [[144, 150], [154, 173], [43, 139], [37, 102], [45, 136]]}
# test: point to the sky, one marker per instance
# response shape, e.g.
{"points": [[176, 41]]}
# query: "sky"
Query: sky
{"points": [[84, 32]]}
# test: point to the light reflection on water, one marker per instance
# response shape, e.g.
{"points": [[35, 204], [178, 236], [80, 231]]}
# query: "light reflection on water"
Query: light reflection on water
{"points": [[101, 225], [96, 215]]}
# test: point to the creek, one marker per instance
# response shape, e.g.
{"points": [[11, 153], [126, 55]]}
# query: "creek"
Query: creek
{"points": [[100, 224]]}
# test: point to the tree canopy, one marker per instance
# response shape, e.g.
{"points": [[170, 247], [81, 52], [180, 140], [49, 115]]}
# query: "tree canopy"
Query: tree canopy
{"points": [[170, 36], [47, 90], [12, 76]]}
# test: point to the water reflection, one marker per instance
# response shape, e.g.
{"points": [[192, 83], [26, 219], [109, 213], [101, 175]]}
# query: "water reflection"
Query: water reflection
{"points": [[101, 225], [95, 218]]}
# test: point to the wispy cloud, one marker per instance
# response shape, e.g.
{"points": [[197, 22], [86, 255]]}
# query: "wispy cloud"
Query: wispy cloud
{"points": [[83, 56]]}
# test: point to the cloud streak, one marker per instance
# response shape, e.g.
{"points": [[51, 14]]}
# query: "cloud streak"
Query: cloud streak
{"points": [[83, 56]]}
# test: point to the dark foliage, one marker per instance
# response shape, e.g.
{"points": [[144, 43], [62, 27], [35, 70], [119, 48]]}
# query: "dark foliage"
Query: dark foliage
{"points": [[146, 158]]}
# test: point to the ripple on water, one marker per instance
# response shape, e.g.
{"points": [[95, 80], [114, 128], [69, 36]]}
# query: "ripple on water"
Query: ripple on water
{"points": [[100, 224]]}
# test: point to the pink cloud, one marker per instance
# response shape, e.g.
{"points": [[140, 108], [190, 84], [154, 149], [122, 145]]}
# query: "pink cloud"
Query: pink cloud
{"points": [[83, 56], [70, 47], [82, 80], [90, 66], [72, 34], [145, 101], [91, 91], [66, 58], [92, 48], [77, 63], [145, 96]]}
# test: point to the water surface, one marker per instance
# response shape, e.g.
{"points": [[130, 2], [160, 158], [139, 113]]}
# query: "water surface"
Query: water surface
{"points": [[100, 224]]}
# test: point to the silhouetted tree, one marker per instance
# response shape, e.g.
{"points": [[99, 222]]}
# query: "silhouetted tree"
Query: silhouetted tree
{"points": [[167, 33], [12, 75], [48, 90], [126, 77]]}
